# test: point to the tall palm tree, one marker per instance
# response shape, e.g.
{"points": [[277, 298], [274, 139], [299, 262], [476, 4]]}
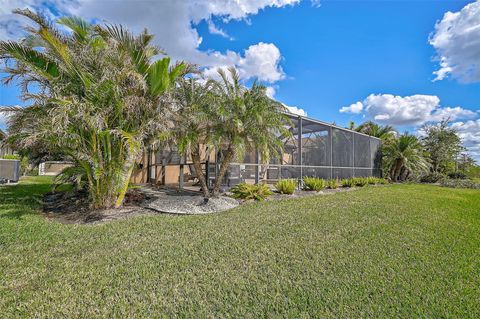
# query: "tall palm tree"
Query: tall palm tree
{"points": [[244, 120], [99, 97], [403, 156], [194, 109], [376, 130]]}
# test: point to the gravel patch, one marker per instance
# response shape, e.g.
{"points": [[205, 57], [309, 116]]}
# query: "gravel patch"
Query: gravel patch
{"points": [[183, 202]]}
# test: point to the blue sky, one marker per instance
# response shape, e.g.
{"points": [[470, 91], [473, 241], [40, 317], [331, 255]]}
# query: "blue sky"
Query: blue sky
{"points": [[321, 56]]}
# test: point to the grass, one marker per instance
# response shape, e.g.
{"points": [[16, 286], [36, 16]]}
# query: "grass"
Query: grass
{"points": [[391, 251]]}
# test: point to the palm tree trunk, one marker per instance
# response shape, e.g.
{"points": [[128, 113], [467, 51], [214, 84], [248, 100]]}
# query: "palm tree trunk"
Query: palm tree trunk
{"points": [[127, 174], [229, 155], [397, 170], [198, 168]]}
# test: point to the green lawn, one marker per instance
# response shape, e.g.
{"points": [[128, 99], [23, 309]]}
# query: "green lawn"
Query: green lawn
{"points": [[394, 251]]}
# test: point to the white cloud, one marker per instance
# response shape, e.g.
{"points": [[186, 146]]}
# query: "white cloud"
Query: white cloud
{"points": [[469, 132], [262, 61], [295, 110], [354, 108], [3, 117], [457, 41], [173, 23], [271, 91], [408, 110], [213, 29]]}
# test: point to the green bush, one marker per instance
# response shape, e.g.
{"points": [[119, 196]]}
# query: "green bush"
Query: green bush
{"points": [[432, 178], [459, 183], [313, 184], [371, 180], [11, 157], [246, 191], [286, 186], [360, 181], [333, 183], [347, 182], [380, 181]]}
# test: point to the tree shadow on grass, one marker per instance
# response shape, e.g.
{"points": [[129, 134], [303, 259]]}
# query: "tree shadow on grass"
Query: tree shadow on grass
{"points": [[22, 199]]}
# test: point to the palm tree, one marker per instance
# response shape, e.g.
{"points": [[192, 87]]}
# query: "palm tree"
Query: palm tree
{"points": [[194, 108], [403, 156], [99, 97], [376, 130], [244, 120]]}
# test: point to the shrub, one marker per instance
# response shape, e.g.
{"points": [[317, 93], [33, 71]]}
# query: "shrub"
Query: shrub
{"points": [[246, 191], [457, 175], [431, 178], [381, 180], [360, 181], [459, 183], [347, 182], [333, 183], [371, 180], [286, 186], [313, 184], [11, 157]]}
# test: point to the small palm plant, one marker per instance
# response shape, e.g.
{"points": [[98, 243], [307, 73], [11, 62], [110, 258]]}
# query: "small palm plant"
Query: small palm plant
{"points": [[313, 184], [403, 156], [333, 183], [286, 186], [246, 191], [347, 182]]}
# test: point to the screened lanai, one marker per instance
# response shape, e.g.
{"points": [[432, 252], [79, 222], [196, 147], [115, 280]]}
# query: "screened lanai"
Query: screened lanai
{"points": [[314, 149]]}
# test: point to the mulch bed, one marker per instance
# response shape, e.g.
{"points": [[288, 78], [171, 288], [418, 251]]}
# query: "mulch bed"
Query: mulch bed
{"points": [[73, 208]]}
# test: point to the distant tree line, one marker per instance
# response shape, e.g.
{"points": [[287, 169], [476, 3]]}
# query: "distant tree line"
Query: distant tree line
{"points": [[437, 150]]}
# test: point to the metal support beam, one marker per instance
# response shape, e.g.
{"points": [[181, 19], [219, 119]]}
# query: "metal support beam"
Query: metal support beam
{"points": [[331, 152], [353, 155], [257, 167], [149, 155], [182, 177], [181, 181], [300, 133]]}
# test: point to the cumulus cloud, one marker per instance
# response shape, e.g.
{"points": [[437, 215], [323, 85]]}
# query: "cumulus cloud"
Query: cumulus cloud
{"points": [[456, 39], [271, 91], [3, 118], [469, 132], [295, 110], [408, 110], [174, 25], [261, 61], [354, 108]]}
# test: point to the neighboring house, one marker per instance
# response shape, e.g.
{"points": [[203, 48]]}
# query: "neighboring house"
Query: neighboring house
{"points": [[316, 149], [4, 148]]}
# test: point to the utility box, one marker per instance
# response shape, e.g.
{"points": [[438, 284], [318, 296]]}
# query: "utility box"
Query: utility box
{"points": [[9, 170]]}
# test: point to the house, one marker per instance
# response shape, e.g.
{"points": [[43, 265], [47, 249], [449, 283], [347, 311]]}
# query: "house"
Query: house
{"points": [[315, 149]]}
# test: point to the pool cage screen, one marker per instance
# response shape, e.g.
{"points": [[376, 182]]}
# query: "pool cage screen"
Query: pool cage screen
{"points": [[314, 149]]}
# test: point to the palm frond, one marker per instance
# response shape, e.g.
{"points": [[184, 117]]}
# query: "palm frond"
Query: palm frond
{"points": [[38, 61], [79, 26]]}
